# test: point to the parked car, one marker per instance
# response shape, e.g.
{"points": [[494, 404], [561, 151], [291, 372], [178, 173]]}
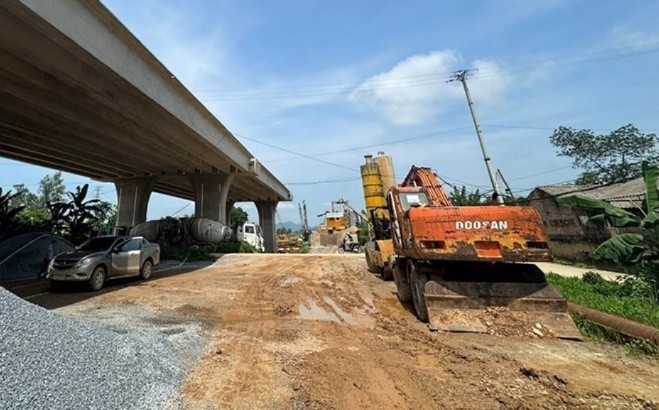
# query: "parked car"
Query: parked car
{"points": [[251, 233], [103, 258]]}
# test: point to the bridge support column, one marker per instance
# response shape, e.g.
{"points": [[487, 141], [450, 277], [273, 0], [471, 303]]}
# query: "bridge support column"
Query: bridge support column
{"points": [[133, 200], [211, 192], [229, 208], [267, 220]]}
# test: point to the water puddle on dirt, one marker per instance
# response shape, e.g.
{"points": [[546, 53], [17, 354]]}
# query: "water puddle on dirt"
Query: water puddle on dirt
{"points": [[347, 317], [368, 300], [358, 317], [315, 312]]}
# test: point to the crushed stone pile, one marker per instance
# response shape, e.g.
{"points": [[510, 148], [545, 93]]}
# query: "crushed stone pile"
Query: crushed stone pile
{"points": [[51, 361]]}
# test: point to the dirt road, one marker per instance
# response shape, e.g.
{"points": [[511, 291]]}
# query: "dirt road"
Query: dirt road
{"points": [[319, 331], [577, 272]]}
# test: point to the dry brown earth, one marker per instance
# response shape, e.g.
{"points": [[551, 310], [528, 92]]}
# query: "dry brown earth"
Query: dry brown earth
{"points": [[319, 331]]}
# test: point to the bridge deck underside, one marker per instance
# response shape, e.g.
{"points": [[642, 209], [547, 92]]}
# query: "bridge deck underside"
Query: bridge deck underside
{"points": [[62, 108]]}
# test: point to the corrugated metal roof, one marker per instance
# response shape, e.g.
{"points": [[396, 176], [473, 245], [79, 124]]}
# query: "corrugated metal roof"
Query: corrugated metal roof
{"points": [[628, 194]]}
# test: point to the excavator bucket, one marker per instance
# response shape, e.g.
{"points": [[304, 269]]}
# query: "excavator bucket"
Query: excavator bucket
{"points": [[496, 298]]}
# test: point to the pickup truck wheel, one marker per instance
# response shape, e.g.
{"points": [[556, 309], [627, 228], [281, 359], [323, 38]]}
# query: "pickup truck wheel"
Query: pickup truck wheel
{"points": [[418, 284], [147, 270], [97, 279]]}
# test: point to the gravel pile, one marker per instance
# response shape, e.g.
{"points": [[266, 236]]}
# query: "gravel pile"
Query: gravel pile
{"points": [[51, 361]]}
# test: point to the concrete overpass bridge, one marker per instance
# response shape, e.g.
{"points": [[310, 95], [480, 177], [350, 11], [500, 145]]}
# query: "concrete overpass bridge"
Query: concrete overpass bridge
{"points": [[80, 93]]}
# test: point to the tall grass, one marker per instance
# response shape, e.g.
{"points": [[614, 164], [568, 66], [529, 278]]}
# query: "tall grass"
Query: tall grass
{"points": [[629, 300]]}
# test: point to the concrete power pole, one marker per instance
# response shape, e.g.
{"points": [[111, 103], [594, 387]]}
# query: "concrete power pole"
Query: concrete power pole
{"points": [[462, 77], [505, 183]]}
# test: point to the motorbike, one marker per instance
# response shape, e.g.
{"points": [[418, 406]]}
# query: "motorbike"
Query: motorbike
{"points": [[349, 247]]}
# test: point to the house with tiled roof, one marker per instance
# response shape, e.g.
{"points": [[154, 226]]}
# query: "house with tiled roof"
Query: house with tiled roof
{"points": [[569, 236]]}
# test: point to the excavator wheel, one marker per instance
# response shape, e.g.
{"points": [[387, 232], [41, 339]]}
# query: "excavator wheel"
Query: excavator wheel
{"points": [[403, 288], [418, 284], [370, 265]]}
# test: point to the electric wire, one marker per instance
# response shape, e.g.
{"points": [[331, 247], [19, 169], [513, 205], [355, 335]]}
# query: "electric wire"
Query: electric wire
{"points": [[377, 144], [295, 153], [375, 84]]}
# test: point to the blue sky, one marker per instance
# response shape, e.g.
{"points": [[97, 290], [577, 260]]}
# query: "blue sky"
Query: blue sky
{"points": [[315, 77]]}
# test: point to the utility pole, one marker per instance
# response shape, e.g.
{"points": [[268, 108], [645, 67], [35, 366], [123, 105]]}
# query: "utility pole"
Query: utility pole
{"points": [[505, 183], [462, 77]]}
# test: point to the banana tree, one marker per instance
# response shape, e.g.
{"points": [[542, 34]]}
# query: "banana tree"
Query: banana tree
{"points": [[8, 214], [76, 218], [637, 248]]}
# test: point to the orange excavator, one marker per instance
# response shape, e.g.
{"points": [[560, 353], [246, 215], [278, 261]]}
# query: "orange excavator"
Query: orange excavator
{"points": [[467, 268]]}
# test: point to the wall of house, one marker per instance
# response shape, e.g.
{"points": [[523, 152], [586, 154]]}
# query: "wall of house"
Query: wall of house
{"points": [[569, 238]]}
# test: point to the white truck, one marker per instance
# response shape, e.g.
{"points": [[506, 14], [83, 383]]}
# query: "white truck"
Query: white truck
{"points": [[251, 233]]}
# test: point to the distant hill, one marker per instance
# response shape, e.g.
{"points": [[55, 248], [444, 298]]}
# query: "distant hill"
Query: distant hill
{"points": [[290, 225]]}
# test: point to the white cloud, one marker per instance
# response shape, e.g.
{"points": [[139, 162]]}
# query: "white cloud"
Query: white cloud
{"points": [[414, 90], [489, 83], [634, 38]]}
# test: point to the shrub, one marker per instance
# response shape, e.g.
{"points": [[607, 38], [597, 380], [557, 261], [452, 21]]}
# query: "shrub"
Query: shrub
{"points": [[244, 247], [592, 277]]}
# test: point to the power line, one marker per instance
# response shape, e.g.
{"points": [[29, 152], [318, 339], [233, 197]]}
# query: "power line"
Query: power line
{"points": [[433, 134], [295, 153], [348, 89], [328, 181], [378, 144], [320, 85], [181, 210], [375, 84], [541, 173]]}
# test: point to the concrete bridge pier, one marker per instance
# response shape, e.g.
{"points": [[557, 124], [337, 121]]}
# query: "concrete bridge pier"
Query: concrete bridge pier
{"points": [[133, 199], [229, 208], [211, 192], [267, 220]]}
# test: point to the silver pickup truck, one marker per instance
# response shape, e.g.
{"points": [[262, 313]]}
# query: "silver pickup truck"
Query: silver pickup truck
{"points": [[103, 258]]}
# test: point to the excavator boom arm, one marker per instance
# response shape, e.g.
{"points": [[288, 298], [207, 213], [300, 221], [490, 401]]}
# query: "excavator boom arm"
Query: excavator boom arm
{"points": [[426, 178]]}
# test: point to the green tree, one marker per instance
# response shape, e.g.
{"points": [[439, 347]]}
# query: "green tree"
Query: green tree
{"points": [[237, 217], [52, 189], [606, 158], [362, 234], [462, 197], [34, 212], [106, 217], [23, 197]]}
